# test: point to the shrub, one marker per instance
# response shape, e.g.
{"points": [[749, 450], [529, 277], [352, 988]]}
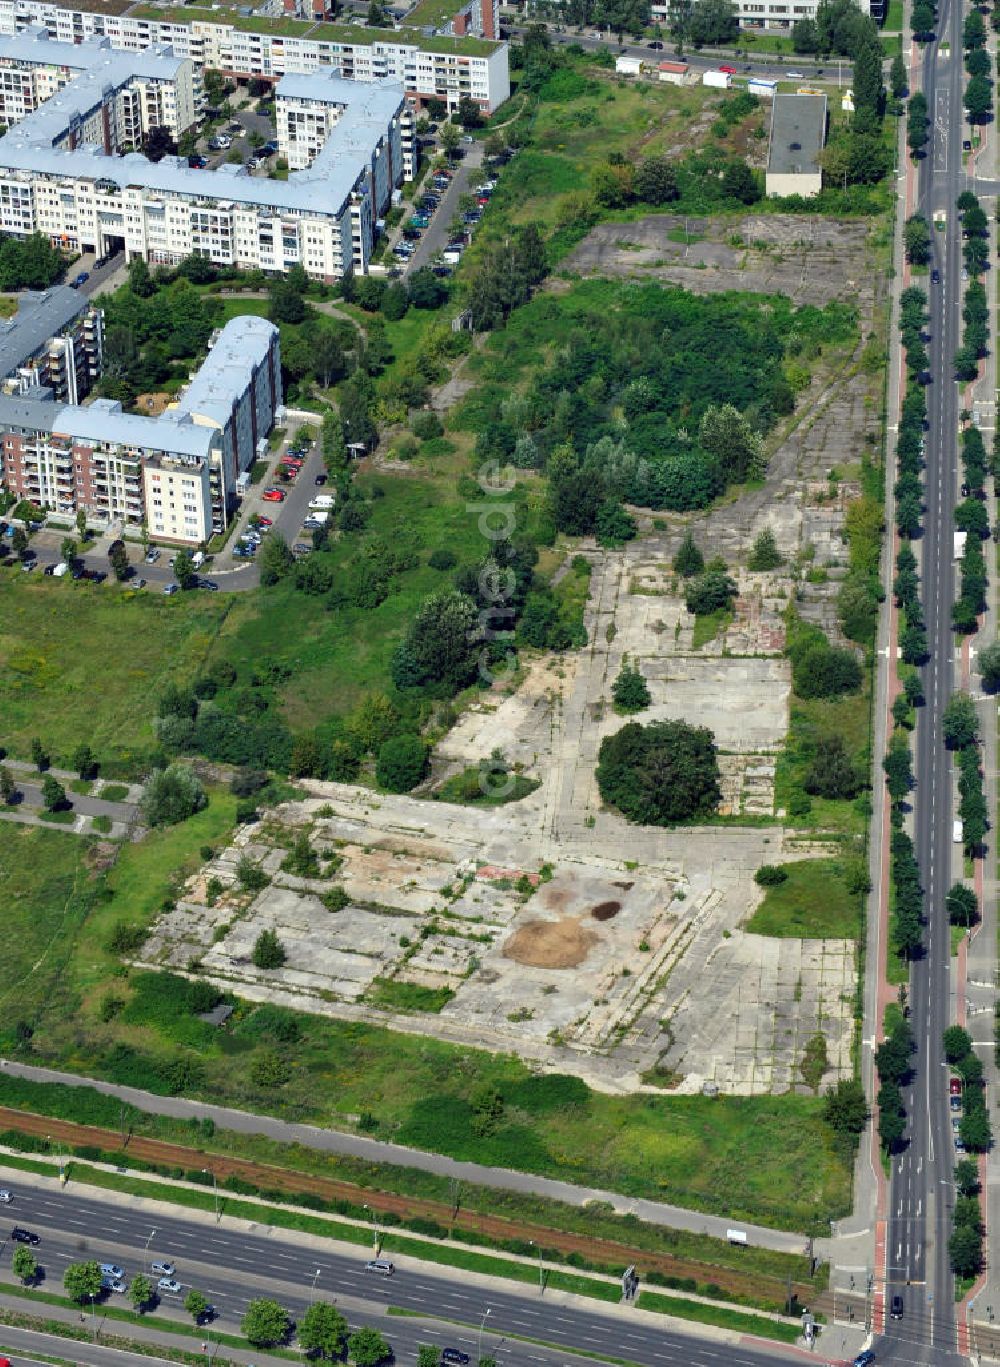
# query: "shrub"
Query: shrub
{"points": [[401, 763], [172, 795], [770, 875], [660, 773], [268, 951]]}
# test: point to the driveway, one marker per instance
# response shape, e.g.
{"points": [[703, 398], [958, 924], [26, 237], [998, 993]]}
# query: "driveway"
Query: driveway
{"points": [[437, 236]]}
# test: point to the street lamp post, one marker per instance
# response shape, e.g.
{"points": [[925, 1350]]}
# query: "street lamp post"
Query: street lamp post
{"points": [[93, 1317], [145, 1256], [482, 1324], [215, 1192], [378, 1239], [541, 1273], [312, 1294]]}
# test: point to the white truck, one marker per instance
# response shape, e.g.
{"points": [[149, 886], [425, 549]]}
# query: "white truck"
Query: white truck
{"points": [[321, 501], [959, 544], [721, 80]]}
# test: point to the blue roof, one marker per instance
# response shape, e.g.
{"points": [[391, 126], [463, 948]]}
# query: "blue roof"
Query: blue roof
{"points": [[39, 316], [228, 368]]}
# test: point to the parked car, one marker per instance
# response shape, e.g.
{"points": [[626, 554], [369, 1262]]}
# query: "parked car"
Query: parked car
{"points": [[264, 521], [655, 45], [81, 279], [896, 1307], [320, 480], [273, 496], [865, 1359], [197, 162], [162, 1269], [115, 1284], [209, 584], [112, 1270], [24, 1236], [169, 1285], [152, 555], [169, 589], [300, 548]]}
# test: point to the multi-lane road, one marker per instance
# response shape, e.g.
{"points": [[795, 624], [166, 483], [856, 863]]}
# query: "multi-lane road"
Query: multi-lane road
{"points": [[921, 1192], [231, 1266]]}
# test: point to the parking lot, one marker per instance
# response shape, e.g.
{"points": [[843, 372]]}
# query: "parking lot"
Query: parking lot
{"points": [[426, 235], [230, 572]]}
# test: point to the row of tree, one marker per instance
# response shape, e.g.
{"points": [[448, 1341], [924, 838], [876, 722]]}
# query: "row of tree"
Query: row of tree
{"points": [[909, 466], [960, 726], [972, 518], [965, 1246], [978, 97]]}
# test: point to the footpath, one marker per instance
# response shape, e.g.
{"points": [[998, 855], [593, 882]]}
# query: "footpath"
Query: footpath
{"points": [[380, 1151]]}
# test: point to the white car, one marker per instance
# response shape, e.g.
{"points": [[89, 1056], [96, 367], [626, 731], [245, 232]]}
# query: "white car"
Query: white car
{"points": [[163, 1269], [168, 1284], [5, 1196]]}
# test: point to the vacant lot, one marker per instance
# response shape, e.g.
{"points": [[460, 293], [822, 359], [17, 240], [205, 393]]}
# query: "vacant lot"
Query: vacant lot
{"points": [[813, 903], [43, 877], [80, 662]]}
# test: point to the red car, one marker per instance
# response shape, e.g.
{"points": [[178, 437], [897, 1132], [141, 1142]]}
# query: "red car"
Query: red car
{"points": [[955, 1086], [295, 462], [273, 496], [264, 521], [729, 70]]}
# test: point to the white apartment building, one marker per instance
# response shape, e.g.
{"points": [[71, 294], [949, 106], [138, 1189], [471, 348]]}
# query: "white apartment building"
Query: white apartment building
{"points": [[61, 175], [428, 65], [771, 14], [177, 472], [110, 99]]}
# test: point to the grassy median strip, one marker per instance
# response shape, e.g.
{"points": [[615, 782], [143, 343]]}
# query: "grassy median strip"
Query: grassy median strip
{"points": [[444, 1254], [120, 1315], [740, 1321], [449, 1255]]}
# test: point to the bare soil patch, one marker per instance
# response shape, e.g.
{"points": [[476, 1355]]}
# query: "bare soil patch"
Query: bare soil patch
{"points": [[551, 944]]}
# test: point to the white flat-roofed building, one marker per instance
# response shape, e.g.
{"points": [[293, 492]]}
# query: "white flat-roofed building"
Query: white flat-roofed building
{"points": [[93, 93], [61, 175], [176, 472], [429, 65]]}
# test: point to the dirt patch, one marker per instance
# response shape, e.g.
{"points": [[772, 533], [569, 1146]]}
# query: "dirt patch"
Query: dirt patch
{"points": [[101, 856], [606, 911], [550, 944], [154, 404]]}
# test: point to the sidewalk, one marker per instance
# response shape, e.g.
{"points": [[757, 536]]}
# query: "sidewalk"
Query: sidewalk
{"points": [[976, 989], [379, 1151]]}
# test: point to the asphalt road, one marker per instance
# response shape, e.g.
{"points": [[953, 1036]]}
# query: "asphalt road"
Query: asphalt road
{"points": [[921, 1188], [231, 1266], [753, 64], [437, 236]]}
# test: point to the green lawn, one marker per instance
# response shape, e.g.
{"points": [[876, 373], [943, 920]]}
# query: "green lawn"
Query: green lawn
{"points": [[44, 880], [708, 625], [812, 903], [82, 662]]}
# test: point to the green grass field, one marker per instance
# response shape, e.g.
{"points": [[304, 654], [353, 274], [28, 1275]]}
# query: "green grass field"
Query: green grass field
{"points": [[812, 903], [82, 662]]}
